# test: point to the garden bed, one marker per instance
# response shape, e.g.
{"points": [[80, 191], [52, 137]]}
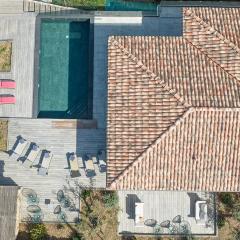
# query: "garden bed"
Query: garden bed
{"points": [[5, 56], [87, 4], [229, 215], [3, 135]]}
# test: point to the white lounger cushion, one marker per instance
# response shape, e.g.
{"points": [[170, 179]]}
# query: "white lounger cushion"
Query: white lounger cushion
{"points": [[22, 144], [139, 216], [73, 163], [33, 153], [46, 160]]}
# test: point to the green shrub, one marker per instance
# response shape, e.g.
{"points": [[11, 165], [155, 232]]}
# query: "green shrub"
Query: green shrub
{"points": [[221, 221], [110, 199], [227, 199], [86, 193], [38, 232], [236, 215], [76, 238], [237, 235]]}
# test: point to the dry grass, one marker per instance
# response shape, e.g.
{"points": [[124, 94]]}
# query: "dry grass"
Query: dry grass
{"points": [[5, 56], [228, 210], [54, 231], [93, 207], [3, 135]]}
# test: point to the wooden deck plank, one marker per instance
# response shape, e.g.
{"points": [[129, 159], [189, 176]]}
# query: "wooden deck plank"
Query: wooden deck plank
{"points": [[59, 142], [20, 29]]}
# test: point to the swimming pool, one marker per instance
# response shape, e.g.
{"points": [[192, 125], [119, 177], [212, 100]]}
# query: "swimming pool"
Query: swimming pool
{"points": [[64, 69]]}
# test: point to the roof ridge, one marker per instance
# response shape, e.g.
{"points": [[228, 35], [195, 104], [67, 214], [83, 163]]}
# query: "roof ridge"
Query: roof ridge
{"points": [[148, 71], [157, 140], [213, 31], [213, 109]]}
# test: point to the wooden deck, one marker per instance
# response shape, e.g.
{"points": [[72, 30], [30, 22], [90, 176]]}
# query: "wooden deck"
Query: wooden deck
{"points": [[20, 29], [161, 206], [59, 142], [11, 6]]}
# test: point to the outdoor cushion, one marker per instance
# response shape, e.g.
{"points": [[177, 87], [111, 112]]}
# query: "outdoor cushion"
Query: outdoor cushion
{"points": [[7, 84], [7, 99]]}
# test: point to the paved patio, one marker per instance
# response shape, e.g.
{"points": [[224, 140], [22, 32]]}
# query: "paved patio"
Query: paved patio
{"points": [[59, 141], [162, 206], [168, 24]]}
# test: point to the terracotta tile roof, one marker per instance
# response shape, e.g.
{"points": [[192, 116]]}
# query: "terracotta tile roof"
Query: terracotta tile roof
{"points": [[174, 108]]}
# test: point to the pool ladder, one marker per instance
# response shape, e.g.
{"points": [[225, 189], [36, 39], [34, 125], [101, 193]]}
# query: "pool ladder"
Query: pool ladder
{"points": [[76, 110]]}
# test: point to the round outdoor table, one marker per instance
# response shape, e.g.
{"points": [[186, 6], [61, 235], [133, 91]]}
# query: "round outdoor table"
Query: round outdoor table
{"points": [[150, 222]]}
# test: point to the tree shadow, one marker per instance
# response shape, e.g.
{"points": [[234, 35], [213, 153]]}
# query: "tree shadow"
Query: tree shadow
{"points": [[5, 181]]}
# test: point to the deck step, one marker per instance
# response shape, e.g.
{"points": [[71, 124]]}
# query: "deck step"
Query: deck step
{"points": [[75, 124]]}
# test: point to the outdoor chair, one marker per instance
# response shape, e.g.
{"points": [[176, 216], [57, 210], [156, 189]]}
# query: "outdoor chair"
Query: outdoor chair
{"points": [[177, 219], [21, 145], [33, 208], [46, 160], [7, 84], [32, 155], [101, 156], [60, 195], [89, 166], [201, 212], [139, 216], [57, 209], [74, 168], [62, 217], [165, 224], [7, 99]]}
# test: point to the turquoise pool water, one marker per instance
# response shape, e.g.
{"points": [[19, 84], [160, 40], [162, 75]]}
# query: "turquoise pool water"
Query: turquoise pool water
{"points": [[121, 5], [64, 69]]}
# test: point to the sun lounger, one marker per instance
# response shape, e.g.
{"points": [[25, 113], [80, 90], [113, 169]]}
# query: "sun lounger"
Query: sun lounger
{"points": [[201, 212], [7, 84], [7, 99], [32, 155], [101, 156], [74, 168], [47, 157], [89, 166], [19, 148], [139, 216]]}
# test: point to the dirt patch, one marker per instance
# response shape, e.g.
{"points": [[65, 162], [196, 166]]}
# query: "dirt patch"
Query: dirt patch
{"points": [[3, 135], [54, 231], [5, 56]]}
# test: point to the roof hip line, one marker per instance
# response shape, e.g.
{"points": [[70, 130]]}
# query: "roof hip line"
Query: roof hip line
{"points": [[173, 92], [147, 150], [208, 27]]}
